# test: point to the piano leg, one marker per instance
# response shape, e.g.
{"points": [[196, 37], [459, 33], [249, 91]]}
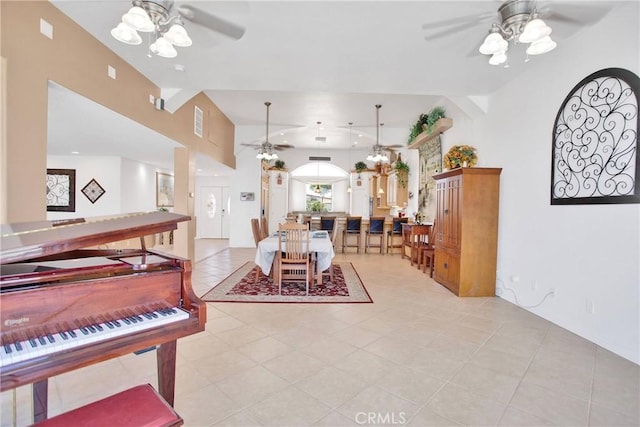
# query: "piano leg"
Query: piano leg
{"points": [[40, 400], [166, 360]]}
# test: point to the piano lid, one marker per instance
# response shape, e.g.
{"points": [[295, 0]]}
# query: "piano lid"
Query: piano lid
{"points": [[29, 240]]}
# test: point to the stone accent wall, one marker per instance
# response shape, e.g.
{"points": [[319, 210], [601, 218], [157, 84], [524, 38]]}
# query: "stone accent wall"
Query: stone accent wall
{"points": [[430, 162]]}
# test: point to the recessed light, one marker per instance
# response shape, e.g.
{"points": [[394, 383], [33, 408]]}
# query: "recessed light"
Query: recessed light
{"points": [[179, 67], [75, 152]]}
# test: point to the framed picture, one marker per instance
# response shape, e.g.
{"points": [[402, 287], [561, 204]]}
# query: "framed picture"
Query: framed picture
{"points": [[164, 190], [61, 190], [247, 197], [595, 141]]}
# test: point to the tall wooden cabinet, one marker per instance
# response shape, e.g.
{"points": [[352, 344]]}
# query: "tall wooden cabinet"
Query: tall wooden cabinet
{"points": [[466, 239]]}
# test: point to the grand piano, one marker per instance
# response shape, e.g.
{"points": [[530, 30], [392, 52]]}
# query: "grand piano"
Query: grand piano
{"points": [[68, 301]]}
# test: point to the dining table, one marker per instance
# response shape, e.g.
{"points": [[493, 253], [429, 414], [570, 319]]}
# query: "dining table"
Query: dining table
{"points": [[319, 244]]}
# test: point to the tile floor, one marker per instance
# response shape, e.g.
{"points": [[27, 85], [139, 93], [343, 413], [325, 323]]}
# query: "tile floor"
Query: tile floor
{"points": [[417, 356]]}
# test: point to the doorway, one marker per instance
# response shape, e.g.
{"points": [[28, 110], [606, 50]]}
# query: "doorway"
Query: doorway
{"points": [[212, 215]]}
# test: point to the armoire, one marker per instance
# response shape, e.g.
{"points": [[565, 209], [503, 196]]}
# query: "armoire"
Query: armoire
{"points": [[466, 230]]}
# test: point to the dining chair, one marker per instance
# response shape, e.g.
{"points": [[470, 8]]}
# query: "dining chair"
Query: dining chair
{"points": [[375, 229], [264, 227], [352, 228], [428, 252], [333, 236], [257, 236], [396, 231], [413, 238], [293, 257]]}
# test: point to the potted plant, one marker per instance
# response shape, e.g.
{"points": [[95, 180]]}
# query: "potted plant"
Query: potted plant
{"points": [[360, 166], [460, 156], [402, 172], [279, 164], [426, 122]]}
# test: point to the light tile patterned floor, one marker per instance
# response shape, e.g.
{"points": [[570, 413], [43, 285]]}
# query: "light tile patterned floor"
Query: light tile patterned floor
{"points": [[417, 356]]}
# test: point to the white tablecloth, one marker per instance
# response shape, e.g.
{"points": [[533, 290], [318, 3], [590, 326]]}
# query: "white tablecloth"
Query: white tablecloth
{"points": [[322, 246]]}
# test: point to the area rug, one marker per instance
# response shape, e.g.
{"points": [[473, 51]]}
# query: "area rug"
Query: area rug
{"points": [[241, 286]]}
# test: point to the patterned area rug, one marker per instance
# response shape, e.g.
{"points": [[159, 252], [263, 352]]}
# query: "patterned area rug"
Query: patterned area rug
{"points": [[241, 286]]}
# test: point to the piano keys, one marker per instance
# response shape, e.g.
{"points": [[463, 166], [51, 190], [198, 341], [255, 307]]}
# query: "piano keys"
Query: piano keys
{"points": [[66, 304]]}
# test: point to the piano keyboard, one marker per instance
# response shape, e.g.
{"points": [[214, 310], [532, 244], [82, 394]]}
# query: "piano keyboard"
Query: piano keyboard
{"points": [[87, 332]]}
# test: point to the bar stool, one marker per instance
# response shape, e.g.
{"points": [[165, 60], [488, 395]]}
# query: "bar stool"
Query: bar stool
{"points": [[326, 224], [352, 228], [396, 231], [376, 229]]}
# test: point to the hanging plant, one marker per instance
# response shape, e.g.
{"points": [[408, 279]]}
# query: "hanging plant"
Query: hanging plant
{"points": [[402, 172], [460, 155]]}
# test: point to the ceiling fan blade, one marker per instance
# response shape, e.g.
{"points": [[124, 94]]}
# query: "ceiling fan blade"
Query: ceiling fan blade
{"points": [[459, 20], [281, 147], [451, 30], [215, 23], [391, 146], [256, 146]]}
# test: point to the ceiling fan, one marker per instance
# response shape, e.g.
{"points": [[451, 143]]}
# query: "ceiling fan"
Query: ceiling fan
{"points": [[377, 153], [155, 16], [511, 21], [266, 148]]}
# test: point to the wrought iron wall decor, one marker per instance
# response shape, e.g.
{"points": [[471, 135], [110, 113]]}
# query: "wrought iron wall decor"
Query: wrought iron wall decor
{"points": [[595, 141], [61, 190], [93, 191]]}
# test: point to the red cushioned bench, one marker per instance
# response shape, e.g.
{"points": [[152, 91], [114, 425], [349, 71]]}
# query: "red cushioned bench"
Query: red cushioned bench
{"points": [[136, 407]]}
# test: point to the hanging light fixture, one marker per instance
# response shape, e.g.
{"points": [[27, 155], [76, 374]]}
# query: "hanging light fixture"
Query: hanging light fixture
{"points": [[349, 190], [377, 154], [265, 151], [152, 16], [520, 23], [318, 139]]}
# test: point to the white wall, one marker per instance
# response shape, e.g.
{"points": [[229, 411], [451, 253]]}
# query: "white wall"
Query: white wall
{"points": [[105, 170], [138, 186], [584, 252]]}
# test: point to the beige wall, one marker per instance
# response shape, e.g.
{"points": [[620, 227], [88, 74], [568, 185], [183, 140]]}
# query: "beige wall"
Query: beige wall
{"points": [[77, 61]]}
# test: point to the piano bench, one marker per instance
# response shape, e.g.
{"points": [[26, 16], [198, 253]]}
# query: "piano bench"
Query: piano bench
{"points": [[138, 406]]}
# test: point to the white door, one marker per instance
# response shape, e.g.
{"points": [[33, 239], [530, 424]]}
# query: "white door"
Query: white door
{"points": [[213, 213]]}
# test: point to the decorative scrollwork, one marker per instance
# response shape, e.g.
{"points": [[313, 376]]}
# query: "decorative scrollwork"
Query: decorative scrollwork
{"points": [[595, 141]]}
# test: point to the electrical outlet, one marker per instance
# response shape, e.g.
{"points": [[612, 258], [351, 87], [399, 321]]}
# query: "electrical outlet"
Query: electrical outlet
{"points": [[534, 285]]}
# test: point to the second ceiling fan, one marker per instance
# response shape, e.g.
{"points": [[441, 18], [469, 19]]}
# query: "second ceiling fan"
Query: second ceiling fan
{"points": [[267, 149]]}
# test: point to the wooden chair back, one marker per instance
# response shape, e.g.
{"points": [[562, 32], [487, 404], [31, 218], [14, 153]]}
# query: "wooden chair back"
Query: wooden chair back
{"points": [[264, 227], [255, 228], [294, 242], [293, 258]]}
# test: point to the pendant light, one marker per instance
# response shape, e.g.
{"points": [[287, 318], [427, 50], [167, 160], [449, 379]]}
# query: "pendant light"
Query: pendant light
{"points": [[317, 189], [349, 190]]}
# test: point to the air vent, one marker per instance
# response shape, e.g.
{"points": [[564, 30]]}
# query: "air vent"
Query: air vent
{"points": [[197, 122], [321, 139], [320, 158]]}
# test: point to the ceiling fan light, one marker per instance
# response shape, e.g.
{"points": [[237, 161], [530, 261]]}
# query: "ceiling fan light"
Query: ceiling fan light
{"points": [[493, 43], [370, 158], [163, 48], [125, 34], [178, 36], [138, 19], [541, 46], [535, 30], [498, 58], [274, 156]]}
